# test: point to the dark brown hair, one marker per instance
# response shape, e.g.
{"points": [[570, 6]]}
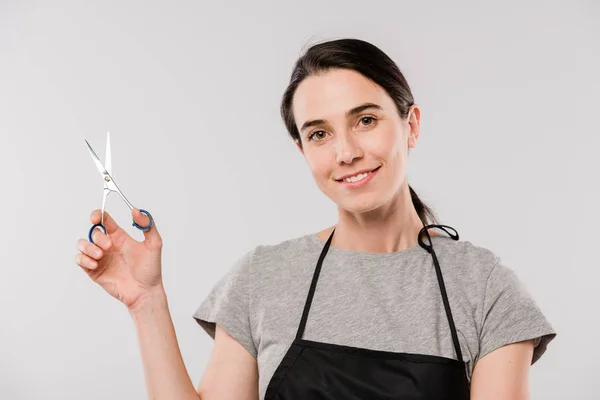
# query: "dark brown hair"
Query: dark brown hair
{"points": [[366, 59]]}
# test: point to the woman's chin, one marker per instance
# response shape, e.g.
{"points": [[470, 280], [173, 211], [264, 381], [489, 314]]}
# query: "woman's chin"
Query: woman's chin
{"points": [[359, 206]]}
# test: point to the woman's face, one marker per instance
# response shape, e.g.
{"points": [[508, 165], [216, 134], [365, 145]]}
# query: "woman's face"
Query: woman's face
{"points": [[347, 124]]}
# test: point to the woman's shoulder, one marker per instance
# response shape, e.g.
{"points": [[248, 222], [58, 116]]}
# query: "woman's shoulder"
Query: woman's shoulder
{"points": [[285, 245], [483, 271], [465, 256], [296, 247]]}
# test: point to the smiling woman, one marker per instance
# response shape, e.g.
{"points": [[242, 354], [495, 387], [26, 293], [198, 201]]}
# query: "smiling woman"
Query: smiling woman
{"points": [[393, 316], [357, 83]]}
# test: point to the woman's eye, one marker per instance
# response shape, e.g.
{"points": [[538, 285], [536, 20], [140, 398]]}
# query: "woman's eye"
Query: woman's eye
{"points": [[367, 120], [312, 135]]}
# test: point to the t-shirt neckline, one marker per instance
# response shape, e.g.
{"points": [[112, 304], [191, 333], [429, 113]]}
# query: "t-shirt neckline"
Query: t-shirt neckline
{"points": [[316, 240]]}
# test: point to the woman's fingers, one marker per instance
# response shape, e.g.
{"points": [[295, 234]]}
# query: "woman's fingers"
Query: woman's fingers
{"points": [[86, 262], [89, 249], [93, 250], [151, 236], [109, 223], [100, 239]]}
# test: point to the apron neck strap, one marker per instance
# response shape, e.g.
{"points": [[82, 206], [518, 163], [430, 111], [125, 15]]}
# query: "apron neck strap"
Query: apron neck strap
{"points": [[440, 279]]}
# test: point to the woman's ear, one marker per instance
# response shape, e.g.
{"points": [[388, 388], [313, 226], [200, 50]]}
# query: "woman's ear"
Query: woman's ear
{"points": [[414, 125]]}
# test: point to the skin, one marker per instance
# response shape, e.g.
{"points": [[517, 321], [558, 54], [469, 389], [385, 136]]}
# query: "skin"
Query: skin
{"points": [[377, 218]]}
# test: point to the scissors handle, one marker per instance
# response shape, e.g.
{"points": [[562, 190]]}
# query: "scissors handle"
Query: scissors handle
{"points": [[92, 229], [142, 228]]}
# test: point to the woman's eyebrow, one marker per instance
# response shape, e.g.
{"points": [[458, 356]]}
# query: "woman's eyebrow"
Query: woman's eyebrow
{"points": [[361, 108], [352, 112]]}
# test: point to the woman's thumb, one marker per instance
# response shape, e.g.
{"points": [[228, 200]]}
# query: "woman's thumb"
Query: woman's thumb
{"points": [[151, 235]]}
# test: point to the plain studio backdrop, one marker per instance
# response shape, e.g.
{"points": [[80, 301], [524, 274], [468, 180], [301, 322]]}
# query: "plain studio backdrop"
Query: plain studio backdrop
{"points": [[190, 92]]}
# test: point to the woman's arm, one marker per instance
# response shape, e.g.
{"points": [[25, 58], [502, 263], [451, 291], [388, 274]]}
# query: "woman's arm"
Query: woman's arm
{"points": [[230, 374], [503, 373], [164, 370]]}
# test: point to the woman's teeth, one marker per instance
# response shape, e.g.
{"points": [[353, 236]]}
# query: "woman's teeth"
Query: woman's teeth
{"points": [[357, 177]]}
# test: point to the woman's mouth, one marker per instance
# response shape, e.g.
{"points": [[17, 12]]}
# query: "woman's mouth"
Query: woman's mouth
{"points": [[359, 180]]}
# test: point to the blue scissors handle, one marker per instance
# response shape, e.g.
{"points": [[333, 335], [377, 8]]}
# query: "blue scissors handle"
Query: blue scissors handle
{"points": [[92, 229], [142, 228]]}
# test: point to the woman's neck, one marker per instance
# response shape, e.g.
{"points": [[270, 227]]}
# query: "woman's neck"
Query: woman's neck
{"points": [[390, 228]]}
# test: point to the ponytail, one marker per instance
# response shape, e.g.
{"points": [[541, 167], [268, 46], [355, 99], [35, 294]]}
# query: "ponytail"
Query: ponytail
{"points": [[426, 214]]}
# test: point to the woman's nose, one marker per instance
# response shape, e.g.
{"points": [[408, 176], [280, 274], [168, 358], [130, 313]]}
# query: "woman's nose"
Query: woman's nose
{"points": [[347, 150]]}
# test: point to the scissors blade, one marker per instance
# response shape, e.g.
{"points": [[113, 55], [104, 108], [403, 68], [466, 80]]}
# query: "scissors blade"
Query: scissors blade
{"points": [[109, 183], [107, 159], [96, 160]]}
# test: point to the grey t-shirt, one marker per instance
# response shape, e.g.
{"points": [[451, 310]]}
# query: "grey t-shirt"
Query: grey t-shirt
{"points": [[380, 301]]}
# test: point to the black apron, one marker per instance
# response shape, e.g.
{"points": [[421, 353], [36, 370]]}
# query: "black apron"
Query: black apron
{"points": [[324, 371]]}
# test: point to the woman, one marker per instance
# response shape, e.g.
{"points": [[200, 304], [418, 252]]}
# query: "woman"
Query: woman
{"points": [[402, 310]]}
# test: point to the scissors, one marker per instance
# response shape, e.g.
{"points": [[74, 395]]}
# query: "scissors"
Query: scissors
{"points": [[110, 186]]}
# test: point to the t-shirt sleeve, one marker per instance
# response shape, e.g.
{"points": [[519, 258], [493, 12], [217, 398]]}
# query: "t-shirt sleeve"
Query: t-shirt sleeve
{"points": [[228, 304], [511, 315]]}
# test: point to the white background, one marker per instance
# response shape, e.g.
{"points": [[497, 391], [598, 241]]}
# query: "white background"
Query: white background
{"points": [[190, 92]]}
